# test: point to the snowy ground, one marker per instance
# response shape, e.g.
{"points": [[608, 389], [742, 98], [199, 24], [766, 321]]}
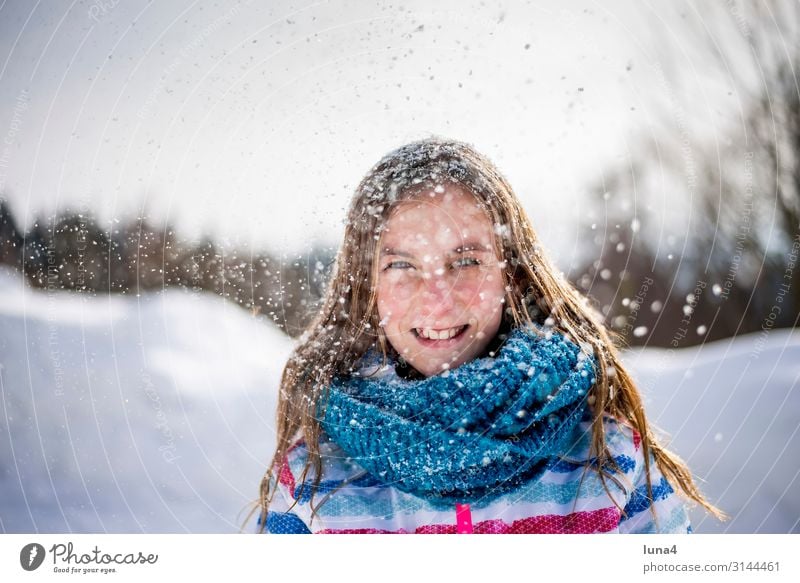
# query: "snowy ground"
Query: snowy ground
{"points": [[156, 414], [732, 408]]}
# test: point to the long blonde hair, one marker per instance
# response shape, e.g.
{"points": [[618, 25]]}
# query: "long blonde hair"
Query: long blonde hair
{"points": [[348, 323]]}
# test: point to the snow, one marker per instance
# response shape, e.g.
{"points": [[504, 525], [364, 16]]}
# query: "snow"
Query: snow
{"points": [[156, 414], [732, 408], [126, 414]]}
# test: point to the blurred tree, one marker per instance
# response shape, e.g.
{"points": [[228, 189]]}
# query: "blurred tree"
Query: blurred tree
{"points": [[150, 242], [80, 249], [121, 258], [72, 252], [10, 238], [36, 244], [210, 266]]}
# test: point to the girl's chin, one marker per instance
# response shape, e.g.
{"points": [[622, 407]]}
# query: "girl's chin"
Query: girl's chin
{"points": [[434, 366]]}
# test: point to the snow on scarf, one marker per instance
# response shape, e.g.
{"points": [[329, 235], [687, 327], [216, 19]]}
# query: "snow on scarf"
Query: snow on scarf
{"points": [[470, 433]]}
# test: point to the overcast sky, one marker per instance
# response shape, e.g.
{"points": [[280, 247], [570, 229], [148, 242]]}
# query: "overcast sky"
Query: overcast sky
{"points": [[254, 123]]}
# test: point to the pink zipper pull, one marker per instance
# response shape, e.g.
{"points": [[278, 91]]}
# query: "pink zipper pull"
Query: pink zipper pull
{"points": [[463, 519]]}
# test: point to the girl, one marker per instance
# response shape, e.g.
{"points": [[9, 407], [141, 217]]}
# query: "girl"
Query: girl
{"points": [[455, 382]]}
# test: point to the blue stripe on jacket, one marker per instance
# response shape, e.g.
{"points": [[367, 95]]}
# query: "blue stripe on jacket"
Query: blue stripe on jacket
{"points": [[285, 523], [639, 500]]}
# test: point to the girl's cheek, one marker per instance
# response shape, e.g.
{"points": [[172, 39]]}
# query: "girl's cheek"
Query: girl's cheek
{"points": [[488, 300], [394, 293], [481, 293], [485, 303], [397, 290]]}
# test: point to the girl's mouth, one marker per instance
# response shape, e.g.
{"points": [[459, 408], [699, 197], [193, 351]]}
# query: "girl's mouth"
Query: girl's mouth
{"points": [[430, 337]]}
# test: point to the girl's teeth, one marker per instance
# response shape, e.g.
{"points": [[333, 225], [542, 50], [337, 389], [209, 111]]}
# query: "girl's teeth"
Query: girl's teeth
{"points": [[439, 334]]}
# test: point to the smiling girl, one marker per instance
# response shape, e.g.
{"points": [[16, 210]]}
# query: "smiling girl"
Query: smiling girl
{"points": [[455, 382]]}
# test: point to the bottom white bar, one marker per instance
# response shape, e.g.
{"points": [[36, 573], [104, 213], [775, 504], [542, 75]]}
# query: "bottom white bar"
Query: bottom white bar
{"points": [[491, 558]]}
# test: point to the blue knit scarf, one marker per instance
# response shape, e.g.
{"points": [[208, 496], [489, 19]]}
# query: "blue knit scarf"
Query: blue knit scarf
{"points": [[468, 434]]}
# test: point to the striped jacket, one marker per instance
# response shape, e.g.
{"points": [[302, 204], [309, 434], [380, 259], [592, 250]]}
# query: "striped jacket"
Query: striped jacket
{"points": [[562, 499]]}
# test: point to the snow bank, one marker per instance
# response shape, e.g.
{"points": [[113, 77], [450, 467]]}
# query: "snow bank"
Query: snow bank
{"points": [[126, 414], [732, 408]]}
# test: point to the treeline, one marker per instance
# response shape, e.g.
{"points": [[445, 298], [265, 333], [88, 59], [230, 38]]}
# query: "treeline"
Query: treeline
{"points": [[650, 299], [73, 252], [673, 302]]}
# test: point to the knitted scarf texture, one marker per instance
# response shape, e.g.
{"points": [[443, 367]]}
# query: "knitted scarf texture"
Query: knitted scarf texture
{"points": [[471, 433]]}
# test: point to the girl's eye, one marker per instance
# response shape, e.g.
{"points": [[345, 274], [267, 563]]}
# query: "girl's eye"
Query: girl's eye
{"points": [[397, 265], [467, 261]]}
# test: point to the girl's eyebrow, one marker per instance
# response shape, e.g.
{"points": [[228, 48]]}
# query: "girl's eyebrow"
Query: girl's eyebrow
{"points": [[465, 248]]}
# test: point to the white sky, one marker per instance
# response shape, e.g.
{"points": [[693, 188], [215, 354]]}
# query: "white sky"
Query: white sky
{"points": [[254, 124]]}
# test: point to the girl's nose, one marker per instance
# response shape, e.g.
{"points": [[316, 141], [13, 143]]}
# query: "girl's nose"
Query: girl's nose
{"points": [[437, 296]]}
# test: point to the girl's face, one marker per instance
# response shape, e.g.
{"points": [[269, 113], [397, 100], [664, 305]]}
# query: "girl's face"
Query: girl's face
{"points": [[440, 288]]}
